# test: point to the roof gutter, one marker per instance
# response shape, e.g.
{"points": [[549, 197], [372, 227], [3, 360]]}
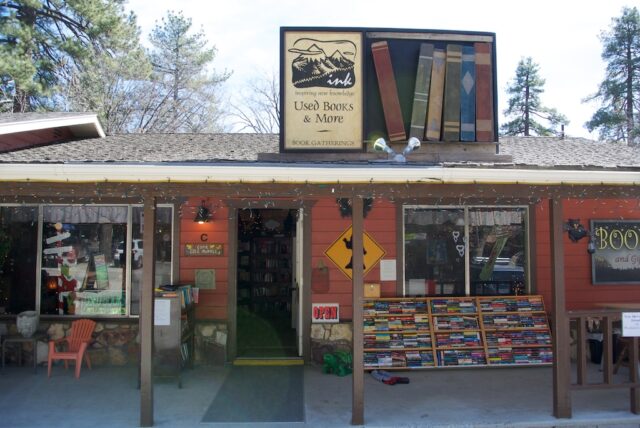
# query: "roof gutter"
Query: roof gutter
{"points": [[248, 173]]}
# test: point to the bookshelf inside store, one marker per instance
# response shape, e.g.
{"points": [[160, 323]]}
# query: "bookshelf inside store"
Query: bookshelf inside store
{"points": [[264, 274], [496, 331]]}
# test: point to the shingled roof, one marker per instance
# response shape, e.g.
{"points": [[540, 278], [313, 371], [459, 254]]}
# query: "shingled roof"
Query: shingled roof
{"points": [[527, 152]]}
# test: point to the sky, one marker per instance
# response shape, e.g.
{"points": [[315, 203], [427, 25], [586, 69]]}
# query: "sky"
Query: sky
{"points": [[561, 36]]}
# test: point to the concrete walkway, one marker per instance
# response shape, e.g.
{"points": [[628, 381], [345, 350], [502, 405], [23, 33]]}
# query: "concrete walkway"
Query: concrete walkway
{"points": [[108, 397]]}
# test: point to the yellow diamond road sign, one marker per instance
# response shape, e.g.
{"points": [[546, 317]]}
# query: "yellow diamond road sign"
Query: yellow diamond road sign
{"points": [[341, 254]]}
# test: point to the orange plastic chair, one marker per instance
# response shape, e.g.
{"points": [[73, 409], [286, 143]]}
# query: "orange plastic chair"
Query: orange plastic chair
{"points": [[76, 346]]}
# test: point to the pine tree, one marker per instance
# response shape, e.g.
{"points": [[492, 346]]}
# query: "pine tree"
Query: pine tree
{"points": [[525, 106], [183, 94], [44, 42], [618, 118]]}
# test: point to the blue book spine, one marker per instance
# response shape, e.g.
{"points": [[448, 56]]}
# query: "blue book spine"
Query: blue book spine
{"points": [[468, 95]]}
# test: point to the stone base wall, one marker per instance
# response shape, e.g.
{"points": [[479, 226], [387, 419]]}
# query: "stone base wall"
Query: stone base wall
{"points": [[118, 344], [210, 342], [114, 344], [327, 338]]}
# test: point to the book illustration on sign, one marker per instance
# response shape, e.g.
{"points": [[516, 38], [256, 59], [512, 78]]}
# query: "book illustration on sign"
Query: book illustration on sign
{"points": [[324, 64]]}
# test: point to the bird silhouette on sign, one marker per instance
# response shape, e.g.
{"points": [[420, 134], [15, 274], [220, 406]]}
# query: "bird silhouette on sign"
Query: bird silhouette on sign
{"points": [[349, 244]]}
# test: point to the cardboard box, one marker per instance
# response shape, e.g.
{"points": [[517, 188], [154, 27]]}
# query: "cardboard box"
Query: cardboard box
{"points": [[372, 290]]}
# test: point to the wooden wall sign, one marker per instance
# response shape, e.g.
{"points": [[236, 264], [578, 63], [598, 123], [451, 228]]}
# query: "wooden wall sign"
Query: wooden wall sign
{"points": [[616, 258], [321, 81], [199, 249]]}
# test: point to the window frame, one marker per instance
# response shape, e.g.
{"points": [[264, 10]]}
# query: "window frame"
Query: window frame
{"points": [[129, 234], [467, 260]]}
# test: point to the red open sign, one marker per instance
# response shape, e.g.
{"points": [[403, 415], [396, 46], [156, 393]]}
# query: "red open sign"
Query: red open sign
{"points": [[325, 312]]}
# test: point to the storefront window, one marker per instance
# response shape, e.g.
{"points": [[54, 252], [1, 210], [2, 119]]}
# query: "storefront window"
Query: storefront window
{"points": [[18, 258], [436, 241], [497, 251], [80, 273], [434, 252], [163, 239]]}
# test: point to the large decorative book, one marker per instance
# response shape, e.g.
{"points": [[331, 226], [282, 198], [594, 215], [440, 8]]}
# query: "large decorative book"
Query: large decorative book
{"points": [[484, 92], [452, 97], [451, 124], [436, 93], [411, 333], [388, 91], [421, 93], [468, 95]]}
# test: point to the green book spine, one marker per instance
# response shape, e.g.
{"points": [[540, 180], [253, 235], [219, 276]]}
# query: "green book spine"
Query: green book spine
{"points": [[451, 125], [421, 92], [436, 93]]}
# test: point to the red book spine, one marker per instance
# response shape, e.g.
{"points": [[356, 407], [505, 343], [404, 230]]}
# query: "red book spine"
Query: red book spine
{"points": [[484, 93], [388, 91]]}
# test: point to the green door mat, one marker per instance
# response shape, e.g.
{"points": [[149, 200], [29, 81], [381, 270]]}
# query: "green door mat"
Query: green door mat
{"points": [[259, 394]]}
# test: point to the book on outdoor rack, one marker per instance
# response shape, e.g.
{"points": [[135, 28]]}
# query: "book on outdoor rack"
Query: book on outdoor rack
{"points": [[388, 91], [436, 94], [421, 92], [468, 95], [484, 93], [451, 121]]}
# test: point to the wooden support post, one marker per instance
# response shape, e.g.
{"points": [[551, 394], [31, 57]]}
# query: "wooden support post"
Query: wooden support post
{"points": [[561, 338], [581, 350], [306, 281], [146, 313], [357, 412], [232, 293], [633, 375], [607, 350]]}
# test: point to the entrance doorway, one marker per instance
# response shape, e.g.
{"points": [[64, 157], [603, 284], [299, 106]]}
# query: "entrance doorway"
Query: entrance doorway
{"points": [[267, 292]]}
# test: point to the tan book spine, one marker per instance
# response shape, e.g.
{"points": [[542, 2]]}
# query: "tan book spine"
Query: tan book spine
{"points": [[436, 94]]}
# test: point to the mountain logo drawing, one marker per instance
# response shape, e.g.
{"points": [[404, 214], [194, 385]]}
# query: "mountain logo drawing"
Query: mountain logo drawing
{"points": [[323, 64]]}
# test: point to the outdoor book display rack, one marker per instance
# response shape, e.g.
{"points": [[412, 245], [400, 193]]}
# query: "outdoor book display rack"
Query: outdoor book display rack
{"points": [[496, 331], [174, 338]]}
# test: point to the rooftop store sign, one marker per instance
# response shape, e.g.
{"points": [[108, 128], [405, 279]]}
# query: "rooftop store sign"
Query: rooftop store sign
{"points": [[344, 88], [322, 90]]}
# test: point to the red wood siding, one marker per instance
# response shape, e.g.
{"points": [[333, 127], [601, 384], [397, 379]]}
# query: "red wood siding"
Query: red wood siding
{"points": [[213, 303], [380, 224], [580, 291], [328, 225]]}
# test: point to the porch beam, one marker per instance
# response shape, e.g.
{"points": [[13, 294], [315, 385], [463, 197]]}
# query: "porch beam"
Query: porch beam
{"points": [[357, 411], [45, 192], [146, 313], [560, 322]]}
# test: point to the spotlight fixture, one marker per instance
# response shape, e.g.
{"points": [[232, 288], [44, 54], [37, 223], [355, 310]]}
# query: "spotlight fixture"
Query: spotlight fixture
{"points": [[203, 215], [380, 145]]}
